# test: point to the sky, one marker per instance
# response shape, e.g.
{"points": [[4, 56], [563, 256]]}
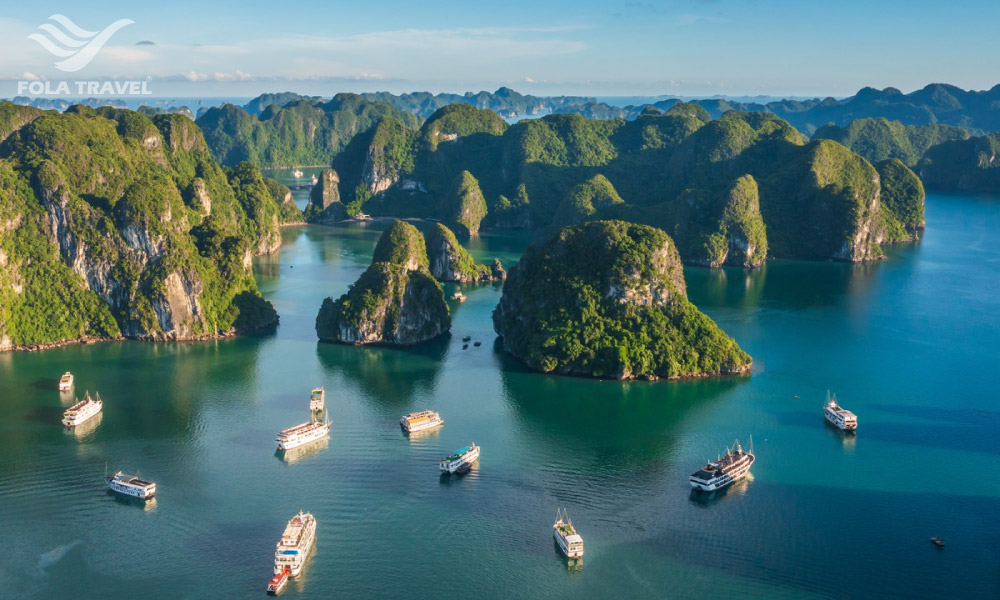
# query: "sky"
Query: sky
{"points": [[576, 47]]}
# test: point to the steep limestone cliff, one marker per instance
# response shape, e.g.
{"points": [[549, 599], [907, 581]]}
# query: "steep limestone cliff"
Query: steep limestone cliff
{"points": [[396, 301]]}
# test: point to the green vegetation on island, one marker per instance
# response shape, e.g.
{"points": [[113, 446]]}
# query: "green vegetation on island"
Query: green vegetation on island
{"points": [[607, 299], [734, 190], [396, 301], [881, 139], [449, 261], [302, 132], [971, 165], [114, 224]]}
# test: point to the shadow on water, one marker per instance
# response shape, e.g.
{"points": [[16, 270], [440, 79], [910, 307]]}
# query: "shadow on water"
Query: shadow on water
{"points": [[391, 375], [617, 423]]}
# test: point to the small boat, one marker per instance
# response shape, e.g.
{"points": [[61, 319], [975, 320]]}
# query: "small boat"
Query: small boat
{"points": [[463, 469], [317, 400], [363, 217], [83, 410], [477, 344], [294, 437], [296, 173], [420, 421], [458, 296], [463, 456], [66, 382], [315, 180], [724, 470], [839, 417], [467, 338], [937, 541], [570, 542], [277, 583], [295, 545], [465, 346], [131, 486]]}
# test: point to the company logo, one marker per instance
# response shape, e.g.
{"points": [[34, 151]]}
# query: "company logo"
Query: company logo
{"points": [[75, 45]]}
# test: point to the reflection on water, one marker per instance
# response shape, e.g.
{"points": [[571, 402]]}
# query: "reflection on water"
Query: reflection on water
{"points": [[792, 285], [85, 429], [148, 505], [294, 455], [618, 423], [705, 499], [388, 375]]}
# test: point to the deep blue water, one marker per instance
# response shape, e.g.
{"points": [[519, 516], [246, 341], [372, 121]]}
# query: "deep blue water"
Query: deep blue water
{"points": [[909, 344]]}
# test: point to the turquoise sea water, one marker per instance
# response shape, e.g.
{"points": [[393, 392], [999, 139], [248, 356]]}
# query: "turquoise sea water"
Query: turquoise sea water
{"points": [[910, 344]]}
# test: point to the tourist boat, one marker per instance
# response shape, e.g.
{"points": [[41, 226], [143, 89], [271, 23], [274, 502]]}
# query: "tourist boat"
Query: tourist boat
{"points": [[724, 470], [302, 434], [317, 400], [841, 418], [420, 421], [464, 457], [295, 545], [66, 382], [458, 296], [570, 542], [82, 410], [937, 541], [296, 173], [131, 486], [277, 583], [363, 217]]}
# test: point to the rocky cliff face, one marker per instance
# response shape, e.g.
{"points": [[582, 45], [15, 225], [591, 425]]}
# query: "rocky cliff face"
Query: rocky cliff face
{"points": [[449, 261], [396, 301], [126, 230], [607, 299], [324, 200]]}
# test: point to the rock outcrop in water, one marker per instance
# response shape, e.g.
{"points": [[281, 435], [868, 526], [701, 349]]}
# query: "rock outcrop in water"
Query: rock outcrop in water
{"points": [[449, 261], [113, 224], [324, 199], [607, 299], [396, 301]]}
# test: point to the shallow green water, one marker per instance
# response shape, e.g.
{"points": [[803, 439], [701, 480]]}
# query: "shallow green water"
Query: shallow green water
{"points": [[909, 344]]}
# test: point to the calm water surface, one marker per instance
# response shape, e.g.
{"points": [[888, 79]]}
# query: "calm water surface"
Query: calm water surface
{"points": [[910, 344]]}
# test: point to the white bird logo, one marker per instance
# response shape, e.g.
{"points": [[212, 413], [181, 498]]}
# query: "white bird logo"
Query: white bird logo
{"points": [[74, 44]]}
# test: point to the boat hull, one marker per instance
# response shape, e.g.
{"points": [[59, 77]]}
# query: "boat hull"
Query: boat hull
{"points": [[725, 480], [462, 464], [130, 491], [288, 444], [564, 547]]}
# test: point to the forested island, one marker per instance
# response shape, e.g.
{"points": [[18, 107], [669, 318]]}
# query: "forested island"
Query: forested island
{"points": [[607, 299], [114, 224], [733, 190]]}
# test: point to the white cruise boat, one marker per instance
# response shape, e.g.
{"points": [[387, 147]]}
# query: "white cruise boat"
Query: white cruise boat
{"points": [[131, 485], [421, 421], [841, 418], [296, 544], [66, 382], [82, 410], [461, 461], [724, 470], [302, 434], [317, 400], [570, 542], [296, 173]]}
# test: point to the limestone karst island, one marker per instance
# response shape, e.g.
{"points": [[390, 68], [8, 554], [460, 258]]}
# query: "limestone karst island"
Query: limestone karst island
{"points": [[665, 299]]}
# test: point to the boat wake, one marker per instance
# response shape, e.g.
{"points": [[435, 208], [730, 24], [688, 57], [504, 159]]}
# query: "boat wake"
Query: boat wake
{"points": [[47, 559]]}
